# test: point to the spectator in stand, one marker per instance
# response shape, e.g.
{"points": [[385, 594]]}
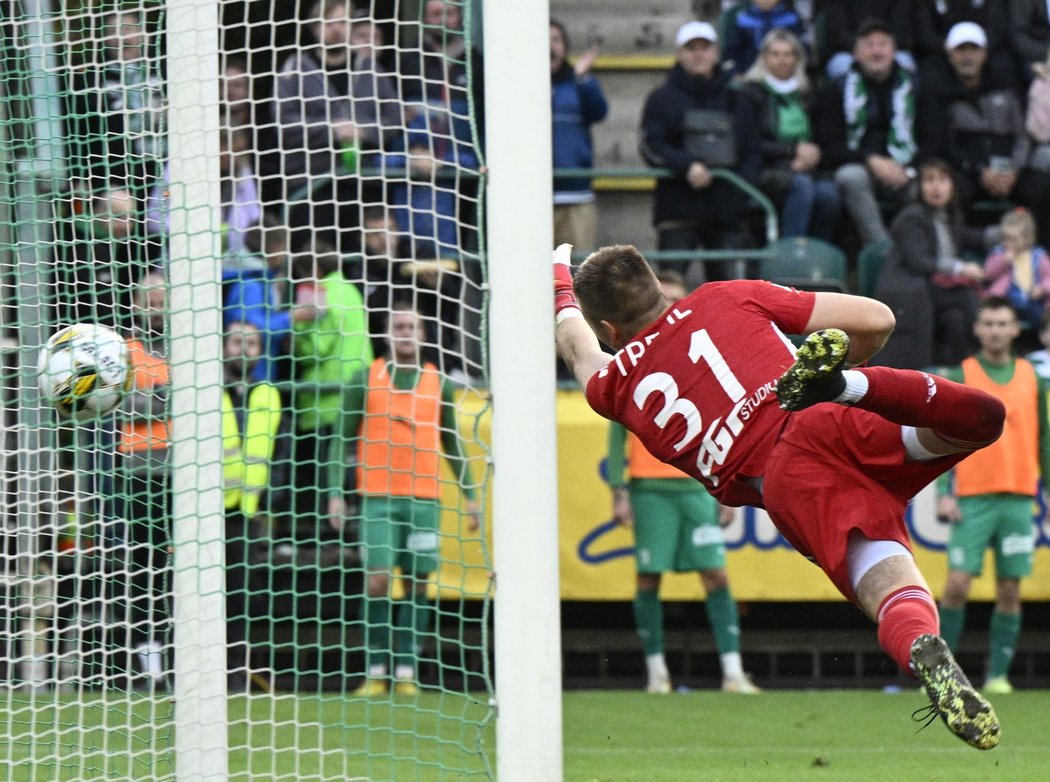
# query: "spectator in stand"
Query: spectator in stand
{"points": [[241, 112], [577, 102], [934, 18], [427, 204], [117, 112], [442, 71], [327, 352], [1018, 270], [995, 490], [251, 416], [442, 85], [115, 117], [975, 120], [866, 129], [745, 26], [379, 268], [779, 88], [399, 413], [1029, 31], [1037, 116], [238, 190], [843, 21], [240, 202], [143, 485], [336, 111], [390, 275], [692, 123], [255, 290], [927, 283], [677, 527], [431, 208], [235, 84]]}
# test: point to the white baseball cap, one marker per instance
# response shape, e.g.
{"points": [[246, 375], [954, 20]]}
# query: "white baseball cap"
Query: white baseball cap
{"points": [[690, 31], [966, 32]]}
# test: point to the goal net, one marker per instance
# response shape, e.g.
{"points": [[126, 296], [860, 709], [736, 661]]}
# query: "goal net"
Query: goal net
{"points": [[271, 561]]}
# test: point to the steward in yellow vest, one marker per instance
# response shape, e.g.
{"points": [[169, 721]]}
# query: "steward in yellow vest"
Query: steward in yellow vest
{"points": [[251, 416]]}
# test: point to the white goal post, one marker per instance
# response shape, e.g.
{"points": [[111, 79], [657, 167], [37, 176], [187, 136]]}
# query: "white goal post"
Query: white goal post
{"points": [[201, 744], [521, 334]]}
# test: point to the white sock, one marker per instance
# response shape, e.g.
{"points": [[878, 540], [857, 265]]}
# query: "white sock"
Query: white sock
{"points": [[856, 387], [914, 448], [732, 665], [404, 672], [656, 665], [376, 671], [150, 659]]}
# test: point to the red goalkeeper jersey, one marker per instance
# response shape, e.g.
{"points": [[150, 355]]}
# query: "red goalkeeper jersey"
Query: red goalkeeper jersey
{"points": [[698, 387]]}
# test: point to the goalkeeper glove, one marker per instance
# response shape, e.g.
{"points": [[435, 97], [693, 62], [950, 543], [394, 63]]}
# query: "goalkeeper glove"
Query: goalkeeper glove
{"points": [[565, 304]]}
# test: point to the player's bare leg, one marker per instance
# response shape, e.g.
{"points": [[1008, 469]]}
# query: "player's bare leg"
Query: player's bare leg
{"points": [[894, 593]]}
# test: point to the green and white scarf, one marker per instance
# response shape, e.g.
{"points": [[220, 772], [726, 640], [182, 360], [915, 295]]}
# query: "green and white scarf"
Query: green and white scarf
{"points": [[901, 142]]}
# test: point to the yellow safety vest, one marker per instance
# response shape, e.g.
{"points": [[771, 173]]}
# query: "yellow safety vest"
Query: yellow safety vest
{"points": [[247, 454]]}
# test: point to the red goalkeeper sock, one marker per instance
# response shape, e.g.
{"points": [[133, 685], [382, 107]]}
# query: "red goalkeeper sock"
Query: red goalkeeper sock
{"points": [[959, 414], [904, 616]]}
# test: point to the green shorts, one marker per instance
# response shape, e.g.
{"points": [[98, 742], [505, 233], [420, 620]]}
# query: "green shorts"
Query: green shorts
{"points": [[676, 531], [1000, 521], [400, 531]]}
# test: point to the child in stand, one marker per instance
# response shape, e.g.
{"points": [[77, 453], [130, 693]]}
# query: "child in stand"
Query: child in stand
{"points": [[1019, 270]]}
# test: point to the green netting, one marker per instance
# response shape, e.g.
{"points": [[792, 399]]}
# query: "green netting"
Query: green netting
{"points": [[351, 416]]}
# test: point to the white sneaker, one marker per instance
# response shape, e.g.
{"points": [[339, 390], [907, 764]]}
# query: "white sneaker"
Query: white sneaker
{"points": [[659, 685], [741, 685]]}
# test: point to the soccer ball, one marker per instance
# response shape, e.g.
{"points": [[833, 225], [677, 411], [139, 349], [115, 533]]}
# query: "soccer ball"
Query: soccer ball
{"points": [[84, 371]]}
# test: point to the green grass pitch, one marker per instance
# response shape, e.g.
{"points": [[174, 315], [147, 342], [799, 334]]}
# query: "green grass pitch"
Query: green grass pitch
{"points": [[618, 736]]}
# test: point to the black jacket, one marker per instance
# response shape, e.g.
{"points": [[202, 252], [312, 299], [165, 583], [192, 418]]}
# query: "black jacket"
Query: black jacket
{"points": [[967, 127], [832, 134], [914, 251], [918, 304], [1029, 29], [662, 143]]}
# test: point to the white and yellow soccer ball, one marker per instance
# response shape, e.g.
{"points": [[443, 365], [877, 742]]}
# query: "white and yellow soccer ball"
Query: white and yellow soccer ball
{"points": [[84, 371]]}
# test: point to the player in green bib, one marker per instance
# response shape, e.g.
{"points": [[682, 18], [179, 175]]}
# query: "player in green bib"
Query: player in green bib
{"points": [[399, 414], [992, 501]]}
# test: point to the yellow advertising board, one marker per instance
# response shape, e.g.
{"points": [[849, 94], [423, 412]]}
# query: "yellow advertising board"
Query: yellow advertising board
{"points": [[596, 556]]}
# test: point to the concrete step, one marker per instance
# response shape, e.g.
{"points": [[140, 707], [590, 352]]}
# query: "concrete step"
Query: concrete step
{"points": [[626, 27]]}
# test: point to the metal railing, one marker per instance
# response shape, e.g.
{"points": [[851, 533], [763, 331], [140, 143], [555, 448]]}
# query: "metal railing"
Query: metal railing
{"points": [[733, 178], [772, 225]]}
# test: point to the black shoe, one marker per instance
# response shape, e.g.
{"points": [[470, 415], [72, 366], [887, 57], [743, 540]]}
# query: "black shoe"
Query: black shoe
{"points": [[816, 375], [964, 710]]}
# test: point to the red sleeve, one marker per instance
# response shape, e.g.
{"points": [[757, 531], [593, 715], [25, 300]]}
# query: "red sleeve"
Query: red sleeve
{"points": [[601, 392], [789, 308]]}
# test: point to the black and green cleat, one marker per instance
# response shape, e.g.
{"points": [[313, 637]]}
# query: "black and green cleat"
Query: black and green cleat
{"points": [[816, 375], [964, 710]]}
